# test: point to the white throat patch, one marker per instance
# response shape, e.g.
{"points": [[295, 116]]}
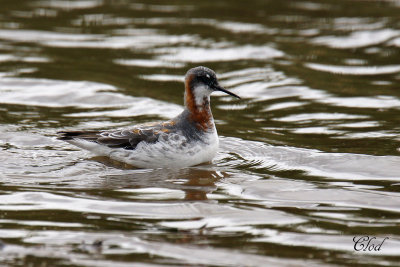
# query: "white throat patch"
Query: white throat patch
{"points": [[200, 92]]}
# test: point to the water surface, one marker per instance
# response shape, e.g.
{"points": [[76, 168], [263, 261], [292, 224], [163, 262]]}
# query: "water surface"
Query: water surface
{"points": [[309, 158]]}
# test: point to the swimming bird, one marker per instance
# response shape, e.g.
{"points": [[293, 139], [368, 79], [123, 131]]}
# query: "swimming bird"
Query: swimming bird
{"points": [[188, 139]]}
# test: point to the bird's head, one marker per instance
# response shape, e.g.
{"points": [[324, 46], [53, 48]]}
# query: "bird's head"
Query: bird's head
{"points": [[200, 82]]}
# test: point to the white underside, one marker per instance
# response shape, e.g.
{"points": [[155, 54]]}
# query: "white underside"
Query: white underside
{"points": [[171, 150]]}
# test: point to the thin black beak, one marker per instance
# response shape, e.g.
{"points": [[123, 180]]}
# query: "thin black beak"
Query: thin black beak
{"points": [[217, 87]]}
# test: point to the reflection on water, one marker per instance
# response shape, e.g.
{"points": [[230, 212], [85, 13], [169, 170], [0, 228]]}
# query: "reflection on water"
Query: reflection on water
{"points": [[309, 157]]}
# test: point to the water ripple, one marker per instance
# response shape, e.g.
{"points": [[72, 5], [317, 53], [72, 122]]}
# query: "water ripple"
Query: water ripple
{"points": [[84, 94], [357, 39], [355, 70], [198, 54], [333, 165]]}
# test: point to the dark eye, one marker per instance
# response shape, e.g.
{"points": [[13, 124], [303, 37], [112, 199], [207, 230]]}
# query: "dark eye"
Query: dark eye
{"points": [[207, 79]]}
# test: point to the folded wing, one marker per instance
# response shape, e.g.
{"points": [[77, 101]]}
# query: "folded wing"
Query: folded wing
{"points": [[126, 139]]}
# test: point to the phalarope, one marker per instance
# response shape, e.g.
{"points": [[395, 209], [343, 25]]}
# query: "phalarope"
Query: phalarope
{"points": [[186, 140]]}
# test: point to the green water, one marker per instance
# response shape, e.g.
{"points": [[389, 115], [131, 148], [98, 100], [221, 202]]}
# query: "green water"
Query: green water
{"points": [[308, 159]]}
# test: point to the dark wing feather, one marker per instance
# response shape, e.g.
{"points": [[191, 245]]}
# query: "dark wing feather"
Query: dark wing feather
{"points": [[127, 139], [65, 136]]}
